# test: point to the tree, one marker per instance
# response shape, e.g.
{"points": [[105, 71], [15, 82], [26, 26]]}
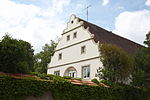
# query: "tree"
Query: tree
{"points": [[16, 56], [141, 75], [43, 58], [147, 41], [117, 64]]}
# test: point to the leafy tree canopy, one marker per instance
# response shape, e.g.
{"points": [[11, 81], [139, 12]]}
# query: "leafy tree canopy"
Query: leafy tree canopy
{"points": [[43, 58], [147, 40], [16, 56], [117, 64], [141, 75]]}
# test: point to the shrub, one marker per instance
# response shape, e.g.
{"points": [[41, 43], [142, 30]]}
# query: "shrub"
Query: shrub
{"points": [[95, 81], [66, 77], [61, 89]]}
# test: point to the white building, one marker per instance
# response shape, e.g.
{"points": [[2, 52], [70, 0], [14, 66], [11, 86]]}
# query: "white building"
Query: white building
{"points": [[77, 53]]}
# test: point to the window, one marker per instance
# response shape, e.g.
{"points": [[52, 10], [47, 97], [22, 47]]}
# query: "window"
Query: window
{"points": [[72, 74], [75, 35], [72, 22], [57, 73], [60, 56], [86, 72], [68, 37], [83, 49]]}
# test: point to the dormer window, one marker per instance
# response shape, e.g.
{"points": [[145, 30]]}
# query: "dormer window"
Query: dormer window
{"points": [[68, 37], [83, 49], [75, 35], [60, 56]]}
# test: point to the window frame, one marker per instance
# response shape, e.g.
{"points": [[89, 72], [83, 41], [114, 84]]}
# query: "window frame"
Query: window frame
{"points": [[87, 77], [68, 37], [74, 35], [57, 72], [60, 56], [72, 73], [83, 49]]}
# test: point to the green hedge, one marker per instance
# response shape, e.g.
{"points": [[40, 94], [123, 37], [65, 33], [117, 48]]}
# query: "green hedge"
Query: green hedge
{"points": [[61, 89]]}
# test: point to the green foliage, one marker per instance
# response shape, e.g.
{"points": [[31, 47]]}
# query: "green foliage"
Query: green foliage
{"points": [[109, 83], [77, 78], [16, 56], [147, 40], [43, 58], [117, 64], [141, 75], [49, 76], [19, 89], [66, 77], [112, 84], [138, 77], [95, 81]]}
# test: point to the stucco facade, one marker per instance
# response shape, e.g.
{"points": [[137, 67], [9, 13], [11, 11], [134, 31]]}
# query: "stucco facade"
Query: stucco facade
{"points": [[77, 53], [71, 53]]}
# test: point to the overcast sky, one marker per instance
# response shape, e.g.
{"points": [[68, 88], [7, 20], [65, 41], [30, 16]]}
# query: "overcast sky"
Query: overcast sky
{"points": [[39, 21]]}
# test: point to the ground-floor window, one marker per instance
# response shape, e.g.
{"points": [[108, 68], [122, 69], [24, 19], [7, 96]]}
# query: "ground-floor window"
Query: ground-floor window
{"points": [[86, 72], [72, 74], [57, 73]]}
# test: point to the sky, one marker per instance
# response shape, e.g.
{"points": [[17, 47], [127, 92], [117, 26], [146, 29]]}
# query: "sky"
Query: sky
{"points": [[39, 21]]}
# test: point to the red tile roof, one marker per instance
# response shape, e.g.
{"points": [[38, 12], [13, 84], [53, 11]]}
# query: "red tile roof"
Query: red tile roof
{"points": [[82, 82]]}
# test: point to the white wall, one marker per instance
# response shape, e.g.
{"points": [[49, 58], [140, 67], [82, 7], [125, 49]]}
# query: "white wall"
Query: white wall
{"points": [[73, 53], [94, 65]]}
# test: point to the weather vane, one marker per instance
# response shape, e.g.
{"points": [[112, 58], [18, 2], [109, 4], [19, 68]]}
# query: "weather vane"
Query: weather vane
{"points": [[87, 13]]}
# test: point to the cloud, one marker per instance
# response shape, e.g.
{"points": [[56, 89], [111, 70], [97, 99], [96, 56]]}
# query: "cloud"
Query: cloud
{"points": [[147, 3], [105, 2], [120, 8], [133, 25], [32, 23]]}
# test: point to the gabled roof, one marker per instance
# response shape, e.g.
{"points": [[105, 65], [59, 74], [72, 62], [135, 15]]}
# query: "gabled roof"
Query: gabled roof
{"points": [[104, 36]]}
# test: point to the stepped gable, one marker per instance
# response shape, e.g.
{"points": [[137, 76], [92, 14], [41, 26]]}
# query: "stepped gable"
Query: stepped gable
{"points": [[104, 36]]}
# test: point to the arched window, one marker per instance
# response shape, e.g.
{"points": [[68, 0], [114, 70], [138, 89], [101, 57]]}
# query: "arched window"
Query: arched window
{"points": [[71, 71]]}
